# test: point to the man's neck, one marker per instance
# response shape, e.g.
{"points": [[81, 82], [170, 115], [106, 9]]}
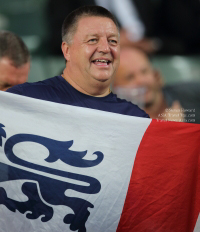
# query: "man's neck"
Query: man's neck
{"points": [[95, 93]]}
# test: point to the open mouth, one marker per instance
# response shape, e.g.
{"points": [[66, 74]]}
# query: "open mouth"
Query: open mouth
{"points": [[101, 62]]}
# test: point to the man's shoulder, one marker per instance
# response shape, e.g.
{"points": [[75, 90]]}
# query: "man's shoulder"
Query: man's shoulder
{"points": [[128, 108]]}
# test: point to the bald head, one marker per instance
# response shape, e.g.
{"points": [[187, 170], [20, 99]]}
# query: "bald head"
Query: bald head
{"points": [[133, 63], [136, 71]]}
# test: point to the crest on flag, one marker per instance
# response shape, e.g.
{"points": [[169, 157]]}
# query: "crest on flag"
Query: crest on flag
{"points": [[47, 191]]}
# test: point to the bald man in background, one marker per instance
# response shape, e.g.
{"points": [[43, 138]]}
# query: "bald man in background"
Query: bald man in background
{"points": [[140, 81], [136, 80], [14, 60]]}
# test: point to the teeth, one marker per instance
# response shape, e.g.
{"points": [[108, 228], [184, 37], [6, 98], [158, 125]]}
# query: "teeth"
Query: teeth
{"points": [[104, 61]]}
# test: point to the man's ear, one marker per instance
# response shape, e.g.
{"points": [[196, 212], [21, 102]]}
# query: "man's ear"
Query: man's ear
{"points": [[66, 51], [158, 77]]}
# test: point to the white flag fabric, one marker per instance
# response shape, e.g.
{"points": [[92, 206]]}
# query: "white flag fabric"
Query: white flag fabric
{"points": [[197, 227], [64, 168]]}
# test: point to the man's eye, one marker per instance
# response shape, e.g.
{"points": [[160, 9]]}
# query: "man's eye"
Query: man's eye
{"points": [[92, 40], [113, 41]]}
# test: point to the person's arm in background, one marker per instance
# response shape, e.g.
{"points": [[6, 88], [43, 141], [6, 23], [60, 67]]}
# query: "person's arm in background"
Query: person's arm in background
{"points": [[128, 16]]}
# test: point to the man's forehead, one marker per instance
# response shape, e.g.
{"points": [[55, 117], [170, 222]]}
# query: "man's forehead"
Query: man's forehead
{"points": [[134, 55], [93, 24], [9, 71]]}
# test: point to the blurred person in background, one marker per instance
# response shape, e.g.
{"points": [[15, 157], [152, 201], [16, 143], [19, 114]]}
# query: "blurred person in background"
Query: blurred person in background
{"points": [[170, 27], [136, 80], [14, 60]]}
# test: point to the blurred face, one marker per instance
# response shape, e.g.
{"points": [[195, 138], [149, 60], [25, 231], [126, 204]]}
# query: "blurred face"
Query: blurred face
{"points": [[135, 71], [10, 75], [93, 56]]}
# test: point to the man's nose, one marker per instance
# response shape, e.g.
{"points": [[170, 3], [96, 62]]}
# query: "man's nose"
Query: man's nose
{"points": [[140, 80], [103, 45]]}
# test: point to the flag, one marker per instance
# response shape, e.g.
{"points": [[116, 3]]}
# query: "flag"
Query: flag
{"points": [[67, 168], [164, 190]]}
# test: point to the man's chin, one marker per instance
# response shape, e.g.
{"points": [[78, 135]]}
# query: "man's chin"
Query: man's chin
{"points": [[144, 103], [103, 79]]}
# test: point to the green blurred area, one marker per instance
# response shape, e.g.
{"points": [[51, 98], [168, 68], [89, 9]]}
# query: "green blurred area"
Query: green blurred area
{"points": [[175, 69], [27, 18]]}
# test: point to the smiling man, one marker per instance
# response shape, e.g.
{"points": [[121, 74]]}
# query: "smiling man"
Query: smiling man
{"points": [[92, 55], [91, 49]]}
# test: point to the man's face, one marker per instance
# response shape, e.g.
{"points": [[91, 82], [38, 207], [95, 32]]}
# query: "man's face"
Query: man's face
{"points": [[135, 71], [10, 75], [93, 56]]}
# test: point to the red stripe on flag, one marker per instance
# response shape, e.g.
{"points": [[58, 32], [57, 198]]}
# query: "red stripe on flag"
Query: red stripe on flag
{"points": [[164, 190]]}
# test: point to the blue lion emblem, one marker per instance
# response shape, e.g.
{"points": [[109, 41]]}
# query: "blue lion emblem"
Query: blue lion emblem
{"points": [[52, 190]]}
